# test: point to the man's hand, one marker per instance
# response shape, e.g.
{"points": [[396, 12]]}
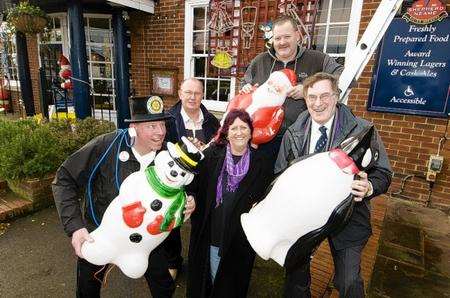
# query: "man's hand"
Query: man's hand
{"points": [[197, 143], [78, 238], [360, 187], [189, 207], [248, 88], [296, 92]]}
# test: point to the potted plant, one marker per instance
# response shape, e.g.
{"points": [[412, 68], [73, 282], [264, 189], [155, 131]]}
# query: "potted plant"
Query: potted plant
{"points": [[26, 18], [31, 152]]}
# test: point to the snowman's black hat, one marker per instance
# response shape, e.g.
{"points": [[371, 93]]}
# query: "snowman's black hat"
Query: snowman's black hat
{"points": [[185, 154]]}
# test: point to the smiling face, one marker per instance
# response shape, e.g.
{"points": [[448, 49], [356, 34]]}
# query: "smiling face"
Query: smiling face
{"points": [[149, 135], [321, 101], [191, 93], [169, 172], [239, 135], [285, 40]]}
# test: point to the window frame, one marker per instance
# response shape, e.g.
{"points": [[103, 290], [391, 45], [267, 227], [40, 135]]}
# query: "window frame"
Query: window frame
{"points": [[353, 28], [214, 105]]}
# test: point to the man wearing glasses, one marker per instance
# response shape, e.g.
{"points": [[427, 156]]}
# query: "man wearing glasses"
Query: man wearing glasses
{"points": [[324, 125], [192, 120]]}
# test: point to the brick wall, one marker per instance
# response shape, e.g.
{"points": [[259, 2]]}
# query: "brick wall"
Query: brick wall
{"points": [[409, 140], [33, 59], [157, 41]]}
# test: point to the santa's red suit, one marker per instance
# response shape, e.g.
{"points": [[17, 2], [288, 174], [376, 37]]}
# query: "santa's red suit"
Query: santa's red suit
{"points": [[265, 104], [65, 73]]}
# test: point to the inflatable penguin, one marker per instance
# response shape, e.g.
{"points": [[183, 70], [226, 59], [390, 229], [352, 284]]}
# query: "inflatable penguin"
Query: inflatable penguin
{"points": [[309, 201], [150, 204], [264, 104]]}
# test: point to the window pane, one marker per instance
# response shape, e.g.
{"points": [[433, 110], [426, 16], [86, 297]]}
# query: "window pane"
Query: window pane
{"points": [[199, 43], [99, 30], [340, 11], [319, 38], [322, 12], [199, 18], [101, 53], [102, 86], [101, 70], [224, 90], [199, 66], [337, 38], [211, 90], [103, 103]]}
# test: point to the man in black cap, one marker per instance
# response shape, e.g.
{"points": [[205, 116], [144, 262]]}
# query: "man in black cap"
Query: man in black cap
{"points": [[93, 175]]}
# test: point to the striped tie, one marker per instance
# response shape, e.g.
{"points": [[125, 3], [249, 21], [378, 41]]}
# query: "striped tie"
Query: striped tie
{"points": [[322, 141]]}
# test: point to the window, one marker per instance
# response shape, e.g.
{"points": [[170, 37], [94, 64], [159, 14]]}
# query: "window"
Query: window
{"points": [[218, 84], [336, 28], [8, 56], [99, 50], [52, 45]]}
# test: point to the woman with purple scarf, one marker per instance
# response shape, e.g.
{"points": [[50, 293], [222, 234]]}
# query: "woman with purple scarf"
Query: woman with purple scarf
{"points": [[232, 178]]}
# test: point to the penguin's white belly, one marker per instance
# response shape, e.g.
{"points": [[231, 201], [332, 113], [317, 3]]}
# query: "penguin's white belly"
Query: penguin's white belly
{"points": [[301, 200]]}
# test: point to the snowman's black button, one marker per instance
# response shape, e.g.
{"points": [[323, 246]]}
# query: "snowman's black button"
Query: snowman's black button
{"points": [[156, 205], [135, 237]]}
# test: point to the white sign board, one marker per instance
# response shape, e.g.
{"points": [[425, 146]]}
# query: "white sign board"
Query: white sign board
{"points": [[144, 5]]}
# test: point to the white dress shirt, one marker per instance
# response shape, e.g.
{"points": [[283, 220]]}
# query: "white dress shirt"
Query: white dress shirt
{"points": [[315, 132], [190, 123]]}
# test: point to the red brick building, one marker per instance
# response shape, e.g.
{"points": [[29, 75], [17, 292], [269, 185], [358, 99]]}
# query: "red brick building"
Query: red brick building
{"points": [[171, 41]]}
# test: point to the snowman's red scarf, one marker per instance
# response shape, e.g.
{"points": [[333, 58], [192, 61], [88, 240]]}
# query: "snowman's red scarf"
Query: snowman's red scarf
{"points": [[174, 215]]}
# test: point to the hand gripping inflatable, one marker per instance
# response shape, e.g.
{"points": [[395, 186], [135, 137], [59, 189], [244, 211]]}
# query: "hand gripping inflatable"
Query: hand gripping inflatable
{"points": [[264, 104], [150, 204], [309, 201]]}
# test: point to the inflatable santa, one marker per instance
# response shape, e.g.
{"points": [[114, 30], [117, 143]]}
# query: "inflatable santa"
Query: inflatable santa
{"points": [[288, 225], [264, 104], [65, 73], [149, 205]]}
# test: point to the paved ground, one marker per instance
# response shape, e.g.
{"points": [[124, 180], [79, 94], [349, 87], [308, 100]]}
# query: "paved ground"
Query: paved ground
{"points": [[37, 261], [414, 253]]}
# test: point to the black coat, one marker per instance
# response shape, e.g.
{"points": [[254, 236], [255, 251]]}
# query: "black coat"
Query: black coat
{"points": [[237, 256], [176, 129]]}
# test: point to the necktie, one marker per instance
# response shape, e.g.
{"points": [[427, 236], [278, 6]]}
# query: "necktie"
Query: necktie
{"points": [[322, 141]]}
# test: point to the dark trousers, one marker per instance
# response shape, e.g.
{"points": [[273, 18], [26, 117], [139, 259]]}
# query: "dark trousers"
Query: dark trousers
{"points": [[347, 271], [347, 277], [298, 283], [157, 275], [172, 247]]}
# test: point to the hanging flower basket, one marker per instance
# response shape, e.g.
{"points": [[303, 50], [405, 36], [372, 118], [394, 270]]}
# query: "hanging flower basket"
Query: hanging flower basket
{"points": [[26, 18]]}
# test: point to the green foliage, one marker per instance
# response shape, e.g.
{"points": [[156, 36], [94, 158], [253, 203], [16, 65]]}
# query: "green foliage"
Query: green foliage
{"points": [[27, 18], [31, 150]]}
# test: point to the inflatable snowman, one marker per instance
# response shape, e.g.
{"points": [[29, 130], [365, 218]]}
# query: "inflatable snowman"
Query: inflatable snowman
{"points": [[288, 225], [264, 104], [150, 204]]}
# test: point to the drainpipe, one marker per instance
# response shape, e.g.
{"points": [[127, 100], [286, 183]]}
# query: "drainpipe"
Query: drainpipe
{"points": [[24, 73], [78, 60], [121, 70]]}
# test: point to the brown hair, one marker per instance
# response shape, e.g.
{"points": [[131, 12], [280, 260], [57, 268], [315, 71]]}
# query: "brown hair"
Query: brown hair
{"points": [[320, 76], [283, 20]]}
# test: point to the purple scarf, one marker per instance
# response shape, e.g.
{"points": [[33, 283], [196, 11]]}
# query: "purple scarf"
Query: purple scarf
{"points": [[236, 172]]}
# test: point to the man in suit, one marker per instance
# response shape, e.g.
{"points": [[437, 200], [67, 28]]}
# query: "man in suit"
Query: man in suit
{"points": [[324, 125]]}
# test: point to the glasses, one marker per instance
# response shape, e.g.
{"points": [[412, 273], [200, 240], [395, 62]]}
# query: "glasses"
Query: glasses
{"points": [[322, 97], [191, 93]]}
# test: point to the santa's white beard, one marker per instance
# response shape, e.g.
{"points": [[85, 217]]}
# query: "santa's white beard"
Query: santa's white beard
{"points": [[265, 96]]}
